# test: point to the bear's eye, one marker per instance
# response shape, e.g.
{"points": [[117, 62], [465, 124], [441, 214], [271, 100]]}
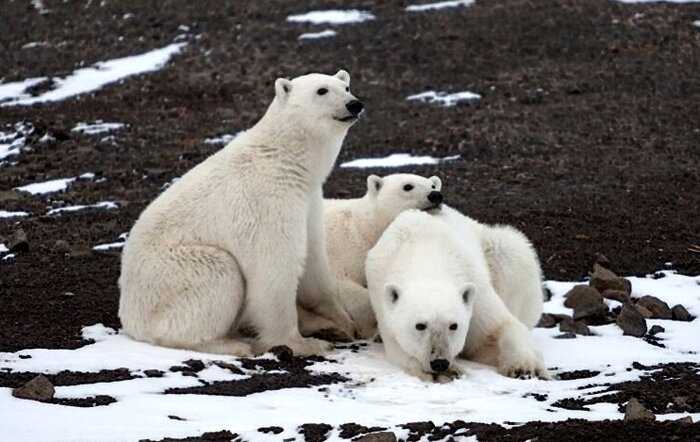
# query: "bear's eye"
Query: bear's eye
{"points": [[421, 326], [453, 326], [347, 89], [322, 91], [408, 187], [433, 186]]}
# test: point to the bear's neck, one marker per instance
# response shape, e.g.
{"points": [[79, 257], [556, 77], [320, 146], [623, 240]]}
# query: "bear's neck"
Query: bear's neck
{"points": [[298, 149]]}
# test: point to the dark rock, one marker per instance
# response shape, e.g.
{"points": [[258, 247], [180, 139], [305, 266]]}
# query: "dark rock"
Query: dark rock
{"points": [[631, 322], [273, 430], [634, 411], [684, 420], [679, 313], [617, 295], [658, 308], [567, 335], [547, 321], [586, 302], [604, 279], [656, 329], [576, 327], [61, 246], [18, 242], [195, 365], [582, 294], [602, 260], [38, 389], [154, 373], [384, 436], [227, 366], [643, 311], [282, 352]]}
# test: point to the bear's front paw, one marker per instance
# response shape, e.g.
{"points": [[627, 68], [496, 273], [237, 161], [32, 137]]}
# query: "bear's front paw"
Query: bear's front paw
{"points": [[309, 346], [524, 366]]}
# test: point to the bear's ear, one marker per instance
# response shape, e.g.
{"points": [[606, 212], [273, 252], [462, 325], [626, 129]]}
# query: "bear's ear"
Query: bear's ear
{"points": [[467, 291], [392, 293], [437, 182], [374, 184], [343, 76], [282, 88]]}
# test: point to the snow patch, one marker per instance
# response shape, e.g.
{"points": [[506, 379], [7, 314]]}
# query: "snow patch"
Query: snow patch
{"points": [[222, 139], [443, 98], [101, 205], [332, 16], [696, 23], [51, 186], [396, 160], [97, 127], [40, 7], [3, 248], [35, 44], [8, 257], [315, 35], [6, 214], [88, 79], [438, 5], [113, 245], [12, 141]]}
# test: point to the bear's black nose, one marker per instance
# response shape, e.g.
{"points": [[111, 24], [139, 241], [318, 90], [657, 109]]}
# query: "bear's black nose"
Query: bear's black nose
{"points": [[355, 107], [435, 197], [439, 365]]}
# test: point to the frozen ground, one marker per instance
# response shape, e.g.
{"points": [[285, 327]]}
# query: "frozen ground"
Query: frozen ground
{"points": [[377, 394]]}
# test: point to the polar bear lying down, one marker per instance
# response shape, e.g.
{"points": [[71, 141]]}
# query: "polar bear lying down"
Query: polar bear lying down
{"points": [[352, 228], [444, 286], [225, 247]]}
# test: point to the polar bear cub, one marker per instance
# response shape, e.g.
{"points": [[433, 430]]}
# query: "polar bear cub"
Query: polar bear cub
{"points": [[352, 228], [225, 247], [431, 291]]}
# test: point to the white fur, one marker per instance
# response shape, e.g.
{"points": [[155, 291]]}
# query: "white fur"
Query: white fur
{"points": [[423, 254], [352, 228], [224, 248]]}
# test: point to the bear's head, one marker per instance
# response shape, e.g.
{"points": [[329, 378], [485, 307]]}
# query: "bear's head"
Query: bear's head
{"points": [[395, 193], [319, 103], [430, 321]]}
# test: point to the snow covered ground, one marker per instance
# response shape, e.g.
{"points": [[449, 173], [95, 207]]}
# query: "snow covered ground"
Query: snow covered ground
{"points": [[443, 98], [396, 160], [377, 394], [332, 16], [438, 5], [52, 186]]}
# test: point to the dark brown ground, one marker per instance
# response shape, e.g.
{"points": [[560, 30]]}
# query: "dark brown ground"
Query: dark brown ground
{"points": [[606, 158]]}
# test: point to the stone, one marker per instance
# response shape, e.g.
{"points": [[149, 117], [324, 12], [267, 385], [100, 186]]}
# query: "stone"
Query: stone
{"points": [[581, 294], [567, 335], [547, 321], [576, 327], [384, 436], [656, 329], [18, 242], [283, 353], [643, 311], [603, 279], [38, 389], [684, 420], [658, 308], [61, 246], [617, 295], [631, 322], [679, 313], [634, 411]]}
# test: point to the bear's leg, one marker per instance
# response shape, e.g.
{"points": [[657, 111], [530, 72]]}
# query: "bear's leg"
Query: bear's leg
{"points": [[515, 272], [497, 337], [202, 292], [319, 288], [310, 323], [355, 300], [271, 307]]}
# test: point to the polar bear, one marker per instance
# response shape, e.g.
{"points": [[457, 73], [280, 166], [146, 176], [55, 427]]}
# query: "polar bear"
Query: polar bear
{"points": [[431, 290], [225, 247], [352, 228]]}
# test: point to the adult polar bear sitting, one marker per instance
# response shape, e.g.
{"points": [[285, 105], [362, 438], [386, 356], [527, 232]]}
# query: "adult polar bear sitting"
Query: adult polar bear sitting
{"points": [[226, 246], [353, 227], [431, 288]]}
